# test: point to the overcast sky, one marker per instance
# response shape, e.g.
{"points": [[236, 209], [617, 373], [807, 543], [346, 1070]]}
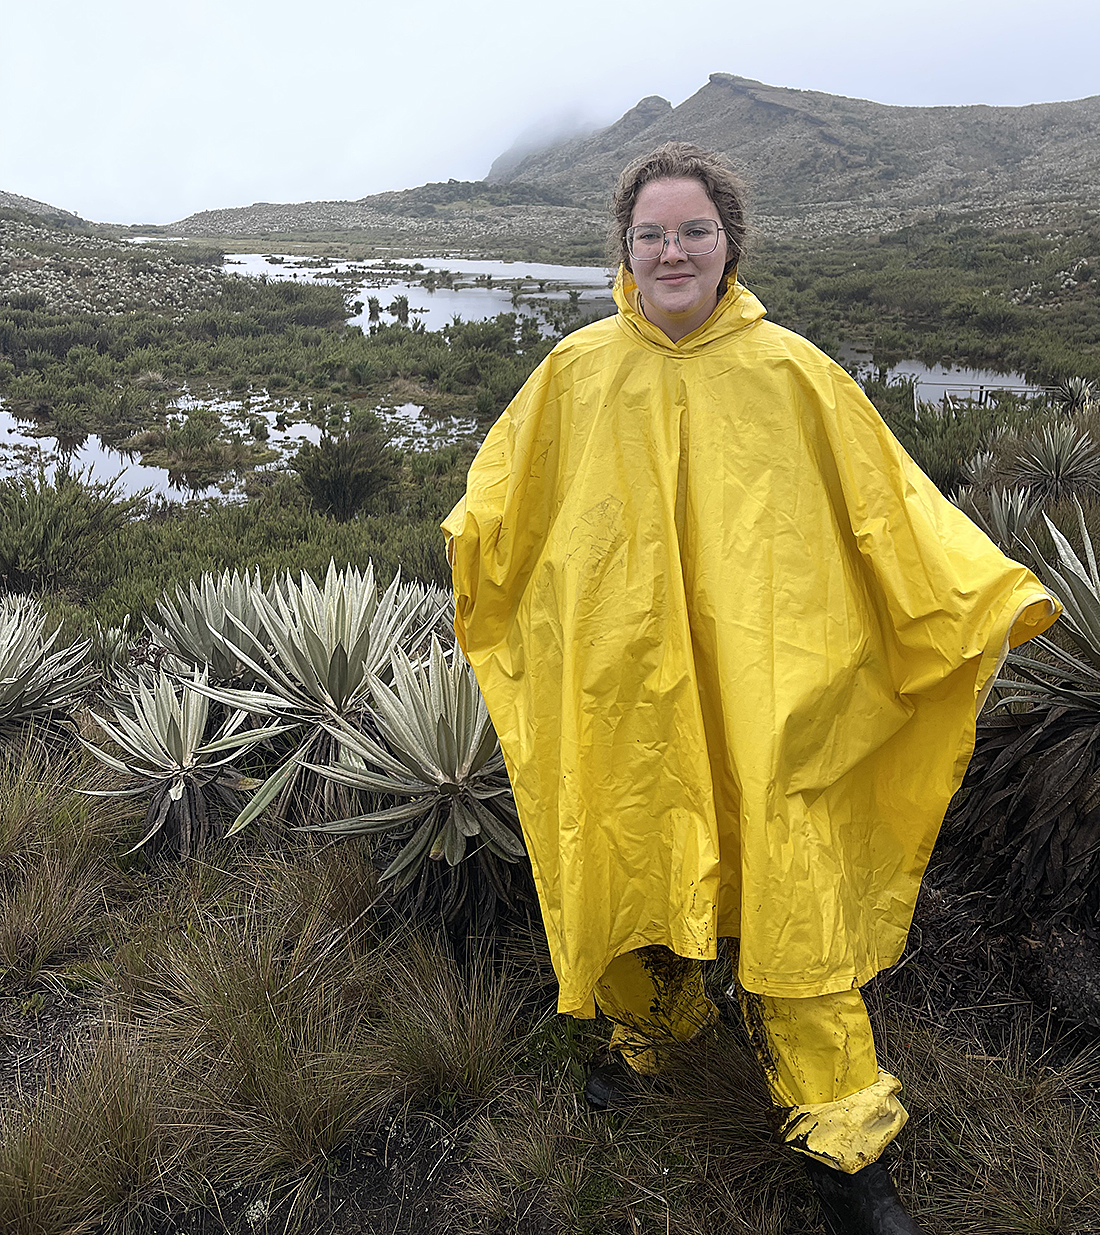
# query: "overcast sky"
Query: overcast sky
{"points": [[129, 111]]}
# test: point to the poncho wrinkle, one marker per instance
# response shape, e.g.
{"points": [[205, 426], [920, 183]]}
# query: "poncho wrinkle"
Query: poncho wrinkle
{"points": [[731, 639]]}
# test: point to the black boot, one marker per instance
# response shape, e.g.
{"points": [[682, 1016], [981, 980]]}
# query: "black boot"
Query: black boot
{"points": [[865, 1203], [610, 1086]]}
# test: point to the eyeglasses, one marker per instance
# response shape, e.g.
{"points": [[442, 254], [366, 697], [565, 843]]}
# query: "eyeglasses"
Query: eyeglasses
{"points": [[645, 242]]}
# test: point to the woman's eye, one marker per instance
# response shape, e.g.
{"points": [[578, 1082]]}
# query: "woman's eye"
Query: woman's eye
{"points": [[648, 235]]}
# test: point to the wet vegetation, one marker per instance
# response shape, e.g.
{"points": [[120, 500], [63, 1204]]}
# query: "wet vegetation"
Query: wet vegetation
{"points": [[78, 365], [350, 1029], [110, 374], [1011, 299]]}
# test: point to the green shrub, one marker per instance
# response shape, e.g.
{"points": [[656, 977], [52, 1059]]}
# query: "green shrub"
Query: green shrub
{"points": [[59, 531], [348, 474], [1060, 461]]}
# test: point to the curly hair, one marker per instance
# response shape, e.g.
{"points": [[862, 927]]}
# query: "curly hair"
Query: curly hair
{"points": [[681, 161]]}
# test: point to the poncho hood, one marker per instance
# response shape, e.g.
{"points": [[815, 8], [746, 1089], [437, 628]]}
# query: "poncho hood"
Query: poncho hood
{"points": [[732, 641], [737, 309]]}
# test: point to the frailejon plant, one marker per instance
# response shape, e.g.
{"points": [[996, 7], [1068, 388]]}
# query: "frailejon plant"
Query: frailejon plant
{"points": [[1031, 797], [1077, 585], [40, 685], [159, 731], [454, 822], [1060, 461], [1007, 515], [205, 625], [326, 647]]}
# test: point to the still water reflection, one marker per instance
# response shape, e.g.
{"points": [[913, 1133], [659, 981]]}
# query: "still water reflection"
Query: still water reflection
{"points": [[526, 284], [279, 427], [23, 451]]}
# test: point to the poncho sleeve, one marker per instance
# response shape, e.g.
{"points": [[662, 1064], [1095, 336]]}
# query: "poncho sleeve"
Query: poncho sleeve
{"points": [[494, 534], [947, 594]]}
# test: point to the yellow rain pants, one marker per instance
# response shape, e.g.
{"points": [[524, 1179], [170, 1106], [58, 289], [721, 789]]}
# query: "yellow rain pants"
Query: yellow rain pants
{"points": [[818, 1053]]}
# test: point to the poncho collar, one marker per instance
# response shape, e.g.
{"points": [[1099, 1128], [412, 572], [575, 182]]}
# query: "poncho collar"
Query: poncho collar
{"points": [[735, 311]]}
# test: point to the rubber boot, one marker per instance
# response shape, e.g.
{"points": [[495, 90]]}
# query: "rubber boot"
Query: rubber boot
{"points": [[610, 1086], [865, 1203]]}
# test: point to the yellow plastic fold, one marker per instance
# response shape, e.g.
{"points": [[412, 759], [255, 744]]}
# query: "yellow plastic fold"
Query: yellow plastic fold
{"points": [[851, 1132], [654, 998], [814, 1050], [732, 640]]}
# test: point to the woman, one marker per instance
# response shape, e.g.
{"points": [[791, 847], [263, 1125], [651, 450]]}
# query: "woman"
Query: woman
{"points": [[732, 641]]}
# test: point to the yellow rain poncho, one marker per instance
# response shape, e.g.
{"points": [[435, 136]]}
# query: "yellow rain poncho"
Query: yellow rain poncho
{"points": [[731, 639]]}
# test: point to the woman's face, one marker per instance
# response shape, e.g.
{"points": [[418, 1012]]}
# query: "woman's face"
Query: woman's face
{"points": [[678, 292]]}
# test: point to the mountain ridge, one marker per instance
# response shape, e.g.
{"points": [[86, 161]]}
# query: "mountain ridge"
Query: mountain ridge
{"points": [[815, 163], [802, 147]]}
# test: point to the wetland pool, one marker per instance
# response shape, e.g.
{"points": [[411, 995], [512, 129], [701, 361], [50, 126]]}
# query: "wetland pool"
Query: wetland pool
{"points": [[477, 289], [277, 427], [934, 381], [517, 287], [514, 286]]}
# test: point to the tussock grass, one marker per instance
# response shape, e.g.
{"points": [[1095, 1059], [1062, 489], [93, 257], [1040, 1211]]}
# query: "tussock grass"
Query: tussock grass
{"points": [[272, 1039], [46, 913], [450, 1035], [92, 1147], [680, 1159], [999, 1139], [340, 885], [270, 1034], [714, 1093], [537, 1162], [57, 867], [41, 807]]}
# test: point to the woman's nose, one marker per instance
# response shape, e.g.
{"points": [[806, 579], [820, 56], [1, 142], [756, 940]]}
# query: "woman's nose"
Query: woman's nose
{"points": [[672, 251]]}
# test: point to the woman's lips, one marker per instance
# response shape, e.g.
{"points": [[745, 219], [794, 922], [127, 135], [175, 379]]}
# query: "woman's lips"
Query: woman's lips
{"points": [[674, 278]]}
